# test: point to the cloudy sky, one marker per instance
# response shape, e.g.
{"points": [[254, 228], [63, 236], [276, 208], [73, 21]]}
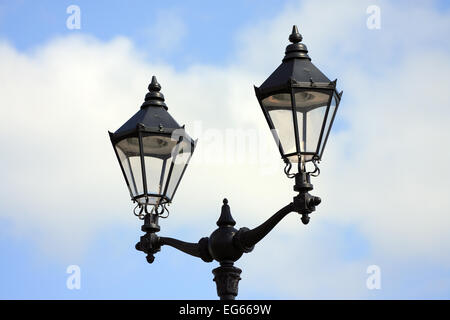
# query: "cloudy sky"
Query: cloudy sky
{"points": [[385, 178]]}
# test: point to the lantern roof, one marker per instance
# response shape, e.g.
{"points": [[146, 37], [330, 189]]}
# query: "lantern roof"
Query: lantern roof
{"points": [[153, 115], [295, 68]]}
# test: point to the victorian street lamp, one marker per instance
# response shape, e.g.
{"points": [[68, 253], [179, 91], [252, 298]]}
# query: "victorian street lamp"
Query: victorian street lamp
{"points": [[299, 103], [153, 152]]}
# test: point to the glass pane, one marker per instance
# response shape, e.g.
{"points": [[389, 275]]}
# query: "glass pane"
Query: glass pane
{"points": [[153, 171], [136, 170], [165, 173], [314, 120], [127, 169], [128, 151], [129, 146], [328, 124], [284, 126], [311, 99], [157, 159], [158, 146], [151, 200], [279, 109], [179, 162], [311, 107], [278, 100]]}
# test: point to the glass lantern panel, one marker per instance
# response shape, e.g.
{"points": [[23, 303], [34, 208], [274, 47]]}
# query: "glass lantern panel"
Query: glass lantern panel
{"points": [[311, 99], [279, 109], [129, 155], [158, 146], [300, 123], [136, 169], [157, 158], [180, 160], [328, 124], [310, 108], [314, 120], [153, 173]]}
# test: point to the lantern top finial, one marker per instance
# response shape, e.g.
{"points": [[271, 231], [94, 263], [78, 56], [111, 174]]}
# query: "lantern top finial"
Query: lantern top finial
{"points": [[296, 66], [154, 85], [295, 36], [154, 97], [296, 50]]}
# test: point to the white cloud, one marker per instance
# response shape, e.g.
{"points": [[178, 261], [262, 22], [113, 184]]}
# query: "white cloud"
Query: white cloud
{"points": [[386, 172]]}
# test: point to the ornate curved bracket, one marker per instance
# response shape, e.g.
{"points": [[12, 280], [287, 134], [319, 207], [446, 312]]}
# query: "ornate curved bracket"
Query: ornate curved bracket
{"points": [[199, 250], [150, 243], [227, 244], [246, 239]]}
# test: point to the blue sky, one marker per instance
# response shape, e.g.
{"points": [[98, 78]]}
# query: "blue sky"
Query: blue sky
{"points": [[208, 34], [377, 207]]}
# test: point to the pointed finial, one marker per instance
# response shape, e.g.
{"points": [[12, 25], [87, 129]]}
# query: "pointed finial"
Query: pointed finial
{"points": [[296, 50], [225, 217], [295, 36], [153, 96], [154, 85]]}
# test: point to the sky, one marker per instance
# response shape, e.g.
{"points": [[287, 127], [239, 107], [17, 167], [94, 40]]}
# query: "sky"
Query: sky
{"points": [[384, 179]]}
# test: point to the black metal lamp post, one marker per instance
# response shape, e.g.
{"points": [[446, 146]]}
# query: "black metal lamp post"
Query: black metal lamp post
{"points": [[299, 103]]}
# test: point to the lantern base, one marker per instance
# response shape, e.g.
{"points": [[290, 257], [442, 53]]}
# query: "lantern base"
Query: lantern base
{"points": [[302, 182], [151, 223], [304, 203]]}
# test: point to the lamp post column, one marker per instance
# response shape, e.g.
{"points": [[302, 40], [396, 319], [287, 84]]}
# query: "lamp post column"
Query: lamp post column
{"points": [[223, 249], [227, 279]]}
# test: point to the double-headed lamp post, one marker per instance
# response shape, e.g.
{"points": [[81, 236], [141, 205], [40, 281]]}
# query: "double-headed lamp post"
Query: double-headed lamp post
{"points": [[299, 103]]}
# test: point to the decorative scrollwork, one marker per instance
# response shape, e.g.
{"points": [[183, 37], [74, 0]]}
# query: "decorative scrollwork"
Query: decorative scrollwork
{"points": [[142, 209], [316, 171], [140, 215], [164, 206], [287, 169]]}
